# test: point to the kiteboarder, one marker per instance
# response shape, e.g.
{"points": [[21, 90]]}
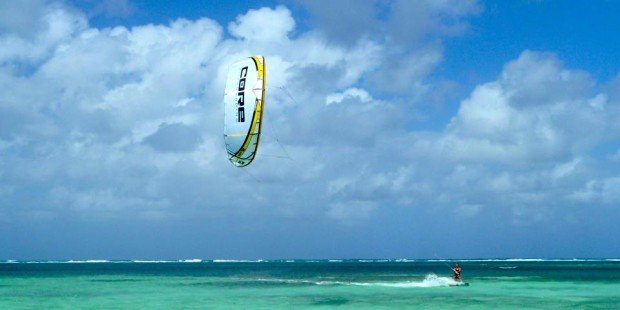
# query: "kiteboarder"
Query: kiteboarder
{"points": [[457, 273]]}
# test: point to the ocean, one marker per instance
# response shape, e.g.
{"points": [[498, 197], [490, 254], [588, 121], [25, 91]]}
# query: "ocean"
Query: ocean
{"points": [[299, 284]]}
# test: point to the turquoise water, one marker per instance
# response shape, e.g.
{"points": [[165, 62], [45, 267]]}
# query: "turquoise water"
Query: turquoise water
{"points": [[310, 284]]}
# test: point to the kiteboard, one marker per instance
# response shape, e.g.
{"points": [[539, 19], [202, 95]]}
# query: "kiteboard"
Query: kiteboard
{"points": [[460, 284]]}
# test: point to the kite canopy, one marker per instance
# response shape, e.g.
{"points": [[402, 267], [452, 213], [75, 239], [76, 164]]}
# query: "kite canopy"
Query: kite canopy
{"points": [[243, 109]]}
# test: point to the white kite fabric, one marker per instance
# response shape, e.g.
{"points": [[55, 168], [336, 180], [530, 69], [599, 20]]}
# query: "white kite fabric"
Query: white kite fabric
{"points": [[243, 109]]}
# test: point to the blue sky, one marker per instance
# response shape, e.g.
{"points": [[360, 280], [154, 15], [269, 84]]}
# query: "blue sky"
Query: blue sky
{"points": [[419, 129]]}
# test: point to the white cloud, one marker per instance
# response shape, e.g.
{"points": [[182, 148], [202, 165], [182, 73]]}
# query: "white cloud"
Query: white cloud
{"points": [[101, 115], [51, 26], [497, 124], [410, 34], [127, 121], [349, 93], [515, 143], [21, 17], [406, 72], [264, 25]]}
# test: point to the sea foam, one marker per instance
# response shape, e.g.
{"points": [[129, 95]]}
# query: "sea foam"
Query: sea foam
{"points": [[431, 280]]}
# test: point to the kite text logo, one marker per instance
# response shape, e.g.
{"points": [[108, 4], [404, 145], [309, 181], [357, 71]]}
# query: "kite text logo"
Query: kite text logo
{"points": [[241, 96]]}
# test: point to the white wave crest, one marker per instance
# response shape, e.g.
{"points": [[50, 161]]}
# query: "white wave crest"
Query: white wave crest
{"points": [[237, 261]]}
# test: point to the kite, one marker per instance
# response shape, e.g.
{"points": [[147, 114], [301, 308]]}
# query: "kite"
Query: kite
{"points": [[244, 97]]}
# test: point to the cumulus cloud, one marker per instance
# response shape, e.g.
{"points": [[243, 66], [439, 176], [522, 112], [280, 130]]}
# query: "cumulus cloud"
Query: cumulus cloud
{"points": [[350, 93], [511, 138], [107, 113], [31, 30], [263, 24], [122, 122], [22, 18], [516, 118], [412, 33]]}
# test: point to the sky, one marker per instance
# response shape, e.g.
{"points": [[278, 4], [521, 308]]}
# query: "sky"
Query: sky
{"points": [[416, 129]]}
